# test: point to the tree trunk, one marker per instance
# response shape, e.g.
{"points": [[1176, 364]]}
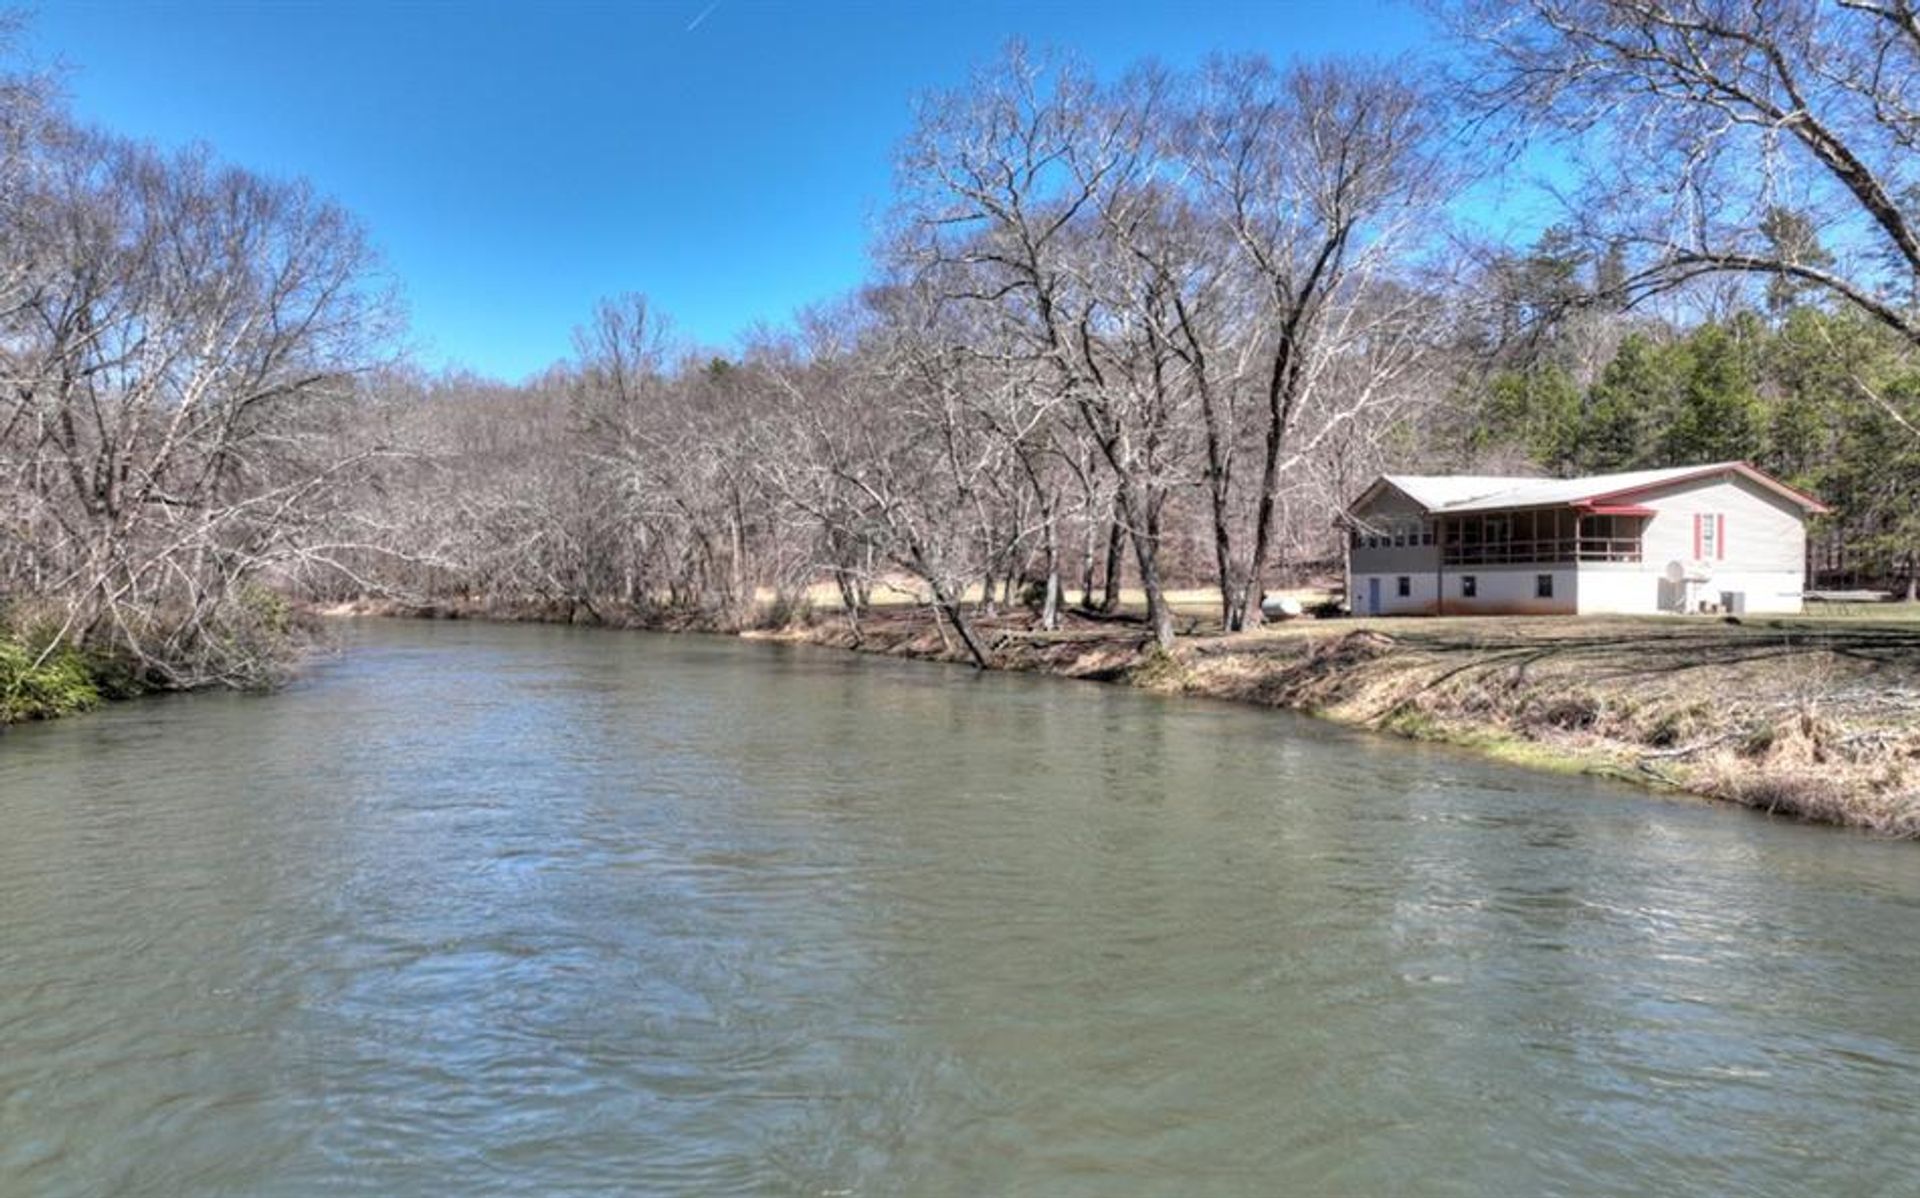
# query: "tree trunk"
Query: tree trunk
{"points": [[1279, 417], [1116, 562], [1143, 525], [958, 619], [849, 596], [1050, 605], [946, 604], [742, 594], [1087, 555], [1220, 497], [1233, 600]]}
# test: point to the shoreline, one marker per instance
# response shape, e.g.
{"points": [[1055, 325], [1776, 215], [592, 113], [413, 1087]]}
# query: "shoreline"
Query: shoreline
{"points": [[1809, 718]]}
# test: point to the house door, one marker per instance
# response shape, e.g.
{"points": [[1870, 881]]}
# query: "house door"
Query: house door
{"points": [[1373, 596]]}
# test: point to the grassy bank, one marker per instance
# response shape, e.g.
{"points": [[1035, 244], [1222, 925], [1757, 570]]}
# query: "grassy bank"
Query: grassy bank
{"points": [[1815, 717]]}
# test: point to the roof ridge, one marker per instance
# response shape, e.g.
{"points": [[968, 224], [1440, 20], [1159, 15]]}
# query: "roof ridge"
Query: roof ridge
{"points": [[1459, 492]]}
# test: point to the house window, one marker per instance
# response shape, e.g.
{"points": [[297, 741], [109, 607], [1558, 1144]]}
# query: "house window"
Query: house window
{"points": [[1709, 536], [1426, 534], [1543, 586], [1469, 586], [1406, 586]]}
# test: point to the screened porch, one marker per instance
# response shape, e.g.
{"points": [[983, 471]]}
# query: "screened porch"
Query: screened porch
{"points": [[1542, 536]]}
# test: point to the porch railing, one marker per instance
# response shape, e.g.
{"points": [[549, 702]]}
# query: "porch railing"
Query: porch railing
{"points": [[1565, 549]]}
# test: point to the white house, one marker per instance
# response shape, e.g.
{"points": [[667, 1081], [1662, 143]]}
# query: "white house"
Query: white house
{"points": [[1695, 538]]}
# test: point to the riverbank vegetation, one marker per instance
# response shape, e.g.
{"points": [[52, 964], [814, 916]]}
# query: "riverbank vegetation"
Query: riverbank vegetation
{"points": [[39, 681], [45, 674], [1138, 334], [182, 343]]}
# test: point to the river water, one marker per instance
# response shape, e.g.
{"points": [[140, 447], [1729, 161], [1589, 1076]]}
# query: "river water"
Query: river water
{"points": [[487, 910]]}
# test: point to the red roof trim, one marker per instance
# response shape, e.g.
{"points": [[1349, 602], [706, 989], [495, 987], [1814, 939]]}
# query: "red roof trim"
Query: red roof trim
{"points": [[1598, 503], [1752, 472], [1591, 508]]}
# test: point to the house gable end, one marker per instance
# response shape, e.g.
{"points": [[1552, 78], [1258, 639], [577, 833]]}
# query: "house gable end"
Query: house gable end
{"points": [[1732, 521], [1384, 497], [1706, 475]]}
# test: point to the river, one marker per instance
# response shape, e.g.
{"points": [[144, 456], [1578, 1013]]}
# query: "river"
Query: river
{"points": [[518, 910]]}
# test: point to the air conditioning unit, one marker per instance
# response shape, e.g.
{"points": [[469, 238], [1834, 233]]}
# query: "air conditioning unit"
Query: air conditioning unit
{"points": [[1734, 603], [1689, 580]]}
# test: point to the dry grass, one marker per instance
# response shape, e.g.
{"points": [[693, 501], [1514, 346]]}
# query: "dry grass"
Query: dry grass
{"points": [[1813, 717]]}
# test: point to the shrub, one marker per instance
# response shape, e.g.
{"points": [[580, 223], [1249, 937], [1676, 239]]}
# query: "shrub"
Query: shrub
{"points": [[788, 609], [1675, 725], [1157, 669], [1758, 741], [1571, 712], [1033, 594], [35, 689], [269, 612]]}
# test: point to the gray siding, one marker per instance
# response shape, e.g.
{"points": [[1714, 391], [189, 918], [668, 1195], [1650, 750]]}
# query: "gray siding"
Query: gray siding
{"points": [[1392, 510]]}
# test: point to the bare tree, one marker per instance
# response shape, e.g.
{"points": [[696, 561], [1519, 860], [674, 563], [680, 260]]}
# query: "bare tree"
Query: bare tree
{"points": [[890, 453], [176, 359], [1319, 187], [1718, 123], [1005, 186]]}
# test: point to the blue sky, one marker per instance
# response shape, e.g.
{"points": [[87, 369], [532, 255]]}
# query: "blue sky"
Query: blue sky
{"points": [[517, 162]]}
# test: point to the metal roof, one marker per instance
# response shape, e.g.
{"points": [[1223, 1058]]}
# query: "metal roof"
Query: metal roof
{"points": [[1465, 493], [1436, 491]]}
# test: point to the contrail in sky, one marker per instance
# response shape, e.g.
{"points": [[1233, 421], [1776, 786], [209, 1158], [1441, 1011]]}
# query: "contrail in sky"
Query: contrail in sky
{"points": [[704, 14]]}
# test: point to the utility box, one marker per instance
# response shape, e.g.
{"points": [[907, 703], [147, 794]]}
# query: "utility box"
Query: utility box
{"points": [[1734, 603]]}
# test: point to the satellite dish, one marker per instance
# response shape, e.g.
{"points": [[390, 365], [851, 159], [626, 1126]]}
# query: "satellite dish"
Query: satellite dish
{"points": [[1676, 572]]}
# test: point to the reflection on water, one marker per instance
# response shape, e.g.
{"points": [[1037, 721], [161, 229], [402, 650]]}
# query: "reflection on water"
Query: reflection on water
{"points": [[486, 910]]}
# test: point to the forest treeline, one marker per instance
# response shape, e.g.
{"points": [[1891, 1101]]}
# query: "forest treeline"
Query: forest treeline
{"points": [[1825, 400], [1150, 330]]}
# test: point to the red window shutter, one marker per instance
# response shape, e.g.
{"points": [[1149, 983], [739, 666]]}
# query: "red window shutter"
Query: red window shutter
{"points": [[1720, 538], [1696, 536]]}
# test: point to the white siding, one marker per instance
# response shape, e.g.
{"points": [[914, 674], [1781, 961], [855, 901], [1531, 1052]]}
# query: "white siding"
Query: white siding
{"points": [[1765, 533], [1766, 592], [1764, 545], [1510, 590], [1760, 552], [1419, 602], [1499, 591], [1610, 589]]}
